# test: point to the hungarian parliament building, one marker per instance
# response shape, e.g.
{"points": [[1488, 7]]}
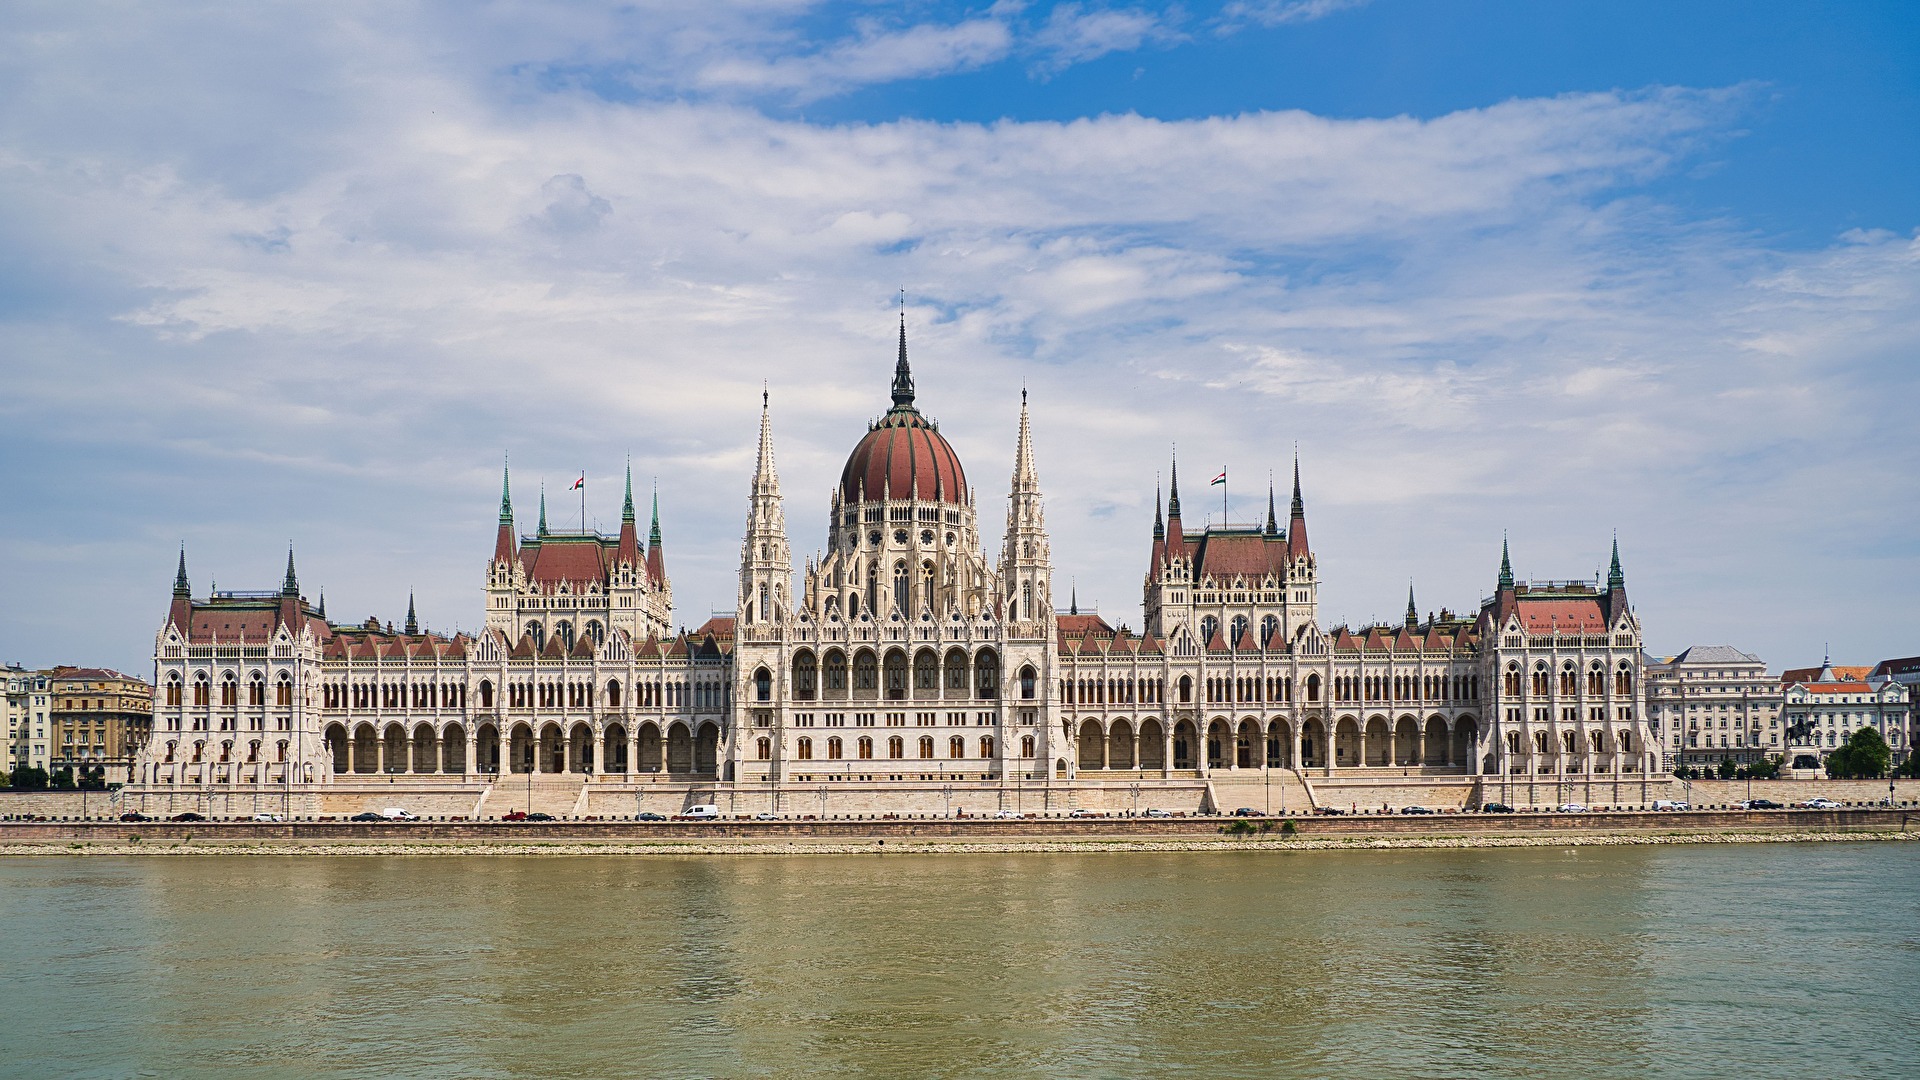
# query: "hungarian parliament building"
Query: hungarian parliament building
{"points": [[907, 671]]}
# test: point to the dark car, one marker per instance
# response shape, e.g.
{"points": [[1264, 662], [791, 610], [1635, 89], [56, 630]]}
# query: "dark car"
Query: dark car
{"points": [[1247, 811], [368, 816], [188, 816], [1331, 811], [134, 815], [1496, 808], [1763, 804], [648, 815], [1416, 810], [539, 817]]}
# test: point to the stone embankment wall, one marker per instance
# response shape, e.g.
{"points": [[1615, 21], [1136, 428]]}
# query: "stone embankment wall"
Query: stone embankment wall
{"points": [[976, 829]]}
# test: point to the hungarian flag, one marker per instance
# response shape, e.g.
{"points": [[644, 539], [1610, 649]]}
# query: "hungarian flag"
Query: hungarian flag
{"points": [[1221, 480], [582, 482]]}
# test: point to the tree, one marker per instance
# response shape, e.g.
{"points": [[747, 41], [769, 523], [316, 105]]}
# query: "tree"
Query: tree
{"points": [[29, 778], [5, 780], [63, 780], [1865, 756], [1728, 770], [1767, 768]]}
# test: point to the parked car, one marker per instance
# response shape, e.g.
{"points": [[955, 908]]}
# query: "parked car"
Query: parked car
{"points": [[700, 812], [266, 817], [1009, 814], [537, 816], [134, 815], [1574, 808], [1330, 811], [188, 816], [1084, 812], [1416, 810], [1820, 803], [1763, 804], [1247, 811], [766, 815], [366, 815], [1154, 811], [648, 815], [1496, 808], [1672, 804], [517, 815], [395, 813]]}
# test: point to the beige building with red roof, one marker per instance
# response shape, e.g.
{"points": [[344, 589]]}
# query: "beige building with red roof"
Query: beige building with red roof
{"points": [[912, 669], [1824, 705]]}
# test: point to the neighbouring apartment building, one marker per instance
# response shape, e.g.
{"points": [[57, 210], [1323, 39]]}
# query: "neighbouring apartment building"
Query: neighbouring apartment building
{"points": [[1713, 703], [1906, 672], [27, 708], [99, 719], [1826, 704]]}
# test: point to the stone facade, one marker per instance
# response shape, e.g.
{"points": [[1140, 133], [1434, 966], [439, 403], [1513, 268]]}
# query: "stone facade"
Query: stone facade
{"points": [[1714, 703], [29, 705], [912, 668], [1824, 705], [98, 717]]}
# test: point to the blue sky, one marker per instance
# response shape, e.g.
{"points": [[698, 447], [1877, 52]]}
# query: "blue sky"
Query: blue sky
{"points": [[306, 274]]}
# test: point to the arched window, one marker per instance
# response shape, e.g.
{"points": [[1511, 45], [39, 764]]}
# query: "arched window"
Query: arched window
{"points": [[173, 689], [765, 613], [564, 631], [866, 671], [896, 675], [804, 749], [256, 689], [926, 673], [866, 748], [486, 693], [763, 749], [926, 585], [1268, 627], [986, 674], [762, 685], [1239, 629], [901, 587], [957, 747], [986, 746], [806, 673], [283, 690], [281, 752], [1209, 626], [200, 688], [538, 633], [833, 749], [596, 633], [1026, 746], [926, 746], [896, 748], [1313, 688], [1026, 600], [837, 672], [1027, 681], [1186, 689]]}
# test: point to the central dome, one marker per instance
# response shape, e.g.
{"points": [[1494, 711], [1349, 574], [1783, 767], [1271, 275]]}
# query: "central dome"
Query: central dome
{"points": [[903, 455]]}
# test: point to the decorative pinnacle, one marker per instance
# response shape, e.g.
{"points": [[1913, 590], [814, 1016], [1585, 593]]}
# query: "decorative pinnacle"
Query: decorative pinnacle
{"points": [[903, 375], [1159, 529], [290, 586], [1506, 565], [180, 586], [1615, 578], [506, 495], [653, 534], [626, 510], [413, 624], [543, 508], [1173, 494], [1299, 507], [1273, 525], [1413, 613]]}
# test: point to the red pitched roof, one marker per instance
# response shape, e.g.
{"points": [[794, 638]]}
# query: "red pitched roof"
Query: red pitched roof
{"points": [[575, 561], [1570, 614], [1243, 554]]}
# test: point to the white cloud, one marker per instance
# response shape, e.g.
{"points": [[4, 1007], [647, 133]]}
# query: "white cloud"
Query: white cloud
{"points": [[1281, 12], [326, 317]]}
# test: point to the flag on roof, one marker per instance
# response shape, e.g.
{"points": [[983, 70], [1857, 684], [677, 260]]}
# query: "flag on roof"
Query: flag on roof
{"points": [[580, 483], [1220, 480]]}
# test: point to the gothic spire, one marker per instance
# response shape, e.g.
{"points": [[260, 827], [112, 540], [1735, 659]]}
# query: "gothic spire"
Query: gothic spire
{"points": [[653, 534], [766, 481], [413, 623], [506, 497], [656, 556], [1413, 613], [323, 604], [290, 585], [1299, 506], [1273, 524], [1159, 529], [902, 375], [626, 510], [1073, 598], [1173, 494], [180, 586], [543, 510], [1297, 545], [1026, 479], [1506, 566], [1616, 579]]}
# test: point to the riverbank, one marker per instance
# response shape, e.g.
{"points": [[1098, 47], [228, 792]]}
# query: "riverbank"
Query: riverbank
{"points": [[200, 846]]}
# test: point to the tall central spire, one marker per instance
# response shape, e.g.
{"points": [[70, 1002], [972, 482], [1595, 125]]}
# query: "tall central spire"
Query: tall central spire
{"points": [[902, 375]]}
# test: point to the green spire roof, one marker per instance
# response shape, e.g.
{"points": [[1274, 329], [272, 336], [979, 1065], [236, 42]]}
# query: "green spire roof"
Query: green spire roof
{"points": [[653, 534], [626, 511], [290, 586], [1506, 566], [1615, 578], [506, 498], [180, 586], [543, 509]]}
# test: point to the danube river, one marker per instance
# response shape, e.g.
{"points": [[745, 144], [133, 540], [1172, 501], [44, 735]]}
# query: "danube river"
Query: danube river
{"points": [[1760, 960]]}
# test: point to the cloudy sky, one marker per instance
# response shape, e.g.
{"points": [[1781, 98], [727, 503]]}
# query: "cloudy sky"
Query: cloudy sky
{"points": [[307, 273]]}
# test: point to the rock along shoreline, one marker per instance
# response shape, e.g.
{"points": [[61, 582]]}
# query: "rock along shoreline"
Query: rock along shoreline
{"points": [[171, 848]]}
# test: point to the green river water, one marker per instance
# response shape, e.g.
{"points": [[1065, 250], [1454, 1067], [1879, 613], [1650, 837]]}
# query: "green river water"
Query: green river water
{"points": [[1774, 960]]}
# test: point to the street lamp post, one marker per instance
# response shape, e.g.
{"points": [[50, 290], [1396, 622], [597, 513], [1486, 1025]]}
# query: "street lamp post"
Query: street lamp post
{"points": [[946, 799]]}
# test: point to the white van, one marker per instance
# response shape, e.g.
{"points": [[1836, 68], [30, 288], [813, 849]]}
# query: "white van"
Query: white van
{"points": [[395, 813], [700, 812], [1671, 804]]}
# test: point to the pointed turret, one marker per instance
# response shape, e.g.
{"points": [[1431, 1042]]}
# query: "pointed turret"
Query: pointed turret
{"points": [[1616, 585], [1506, 567], [180, 612], [413, 621], [290, 585], [1413, 613], [1173, 495], [1159, 528], [322, 610], [1273, 524], [542, 531], [766, 560], [504, 544], [656, 556], [1073, 599], [902, 374], [1297, 546], [1026, 479], [1025, 561], [628, 553]]}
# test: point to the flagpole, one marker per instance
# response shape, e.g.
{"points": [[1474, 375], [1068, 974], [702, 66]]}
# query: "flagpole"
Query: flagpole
{"points": [[1223, 496], [583, 502]]}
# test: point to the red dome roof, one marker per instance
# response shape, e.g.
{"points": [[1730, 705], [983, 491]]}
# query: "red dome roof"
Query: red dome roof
{"points": [[905, 458]]}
